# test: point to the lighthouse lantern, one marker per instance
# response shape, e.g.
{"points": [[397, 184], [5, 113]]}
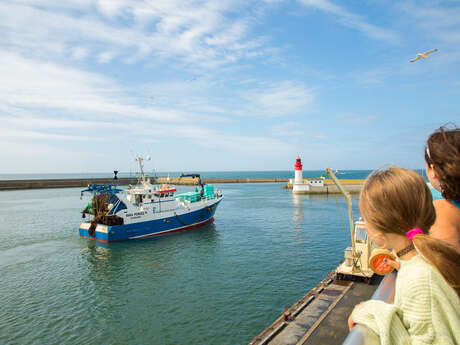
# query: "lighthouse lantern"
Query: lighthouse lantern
{"points": [[298, 170]]}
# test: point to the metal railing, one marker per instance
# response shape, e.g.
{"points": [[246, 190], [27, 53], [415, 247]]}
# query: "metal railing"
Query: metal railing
{"points": [[361, 335]]}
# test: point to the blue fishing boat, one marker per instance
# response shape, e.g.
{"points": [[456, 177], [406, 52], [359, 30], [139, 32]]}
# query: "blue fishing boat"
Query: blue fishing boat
{"points": [[146, 209]]}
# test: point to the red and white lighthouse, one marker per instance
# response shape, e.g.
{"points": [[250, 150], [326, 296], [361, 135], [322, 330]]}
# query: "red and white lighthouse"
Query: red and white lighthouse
{"points": [[298, 179]]}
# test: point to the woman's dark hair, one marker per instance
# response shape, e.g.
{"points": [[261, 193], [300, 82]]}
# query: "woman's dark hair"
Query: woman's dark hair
{"points": [[442, 153]]}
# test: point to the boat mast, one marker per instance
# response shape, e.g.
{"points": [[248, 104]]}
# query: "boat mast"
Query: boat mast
{"points": [[140, 160], [348, 200]]}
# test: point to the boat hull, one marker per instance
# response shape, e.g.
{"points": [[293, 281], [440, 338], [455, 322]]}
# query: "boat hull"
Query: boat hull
{"points": [[150, 228]]}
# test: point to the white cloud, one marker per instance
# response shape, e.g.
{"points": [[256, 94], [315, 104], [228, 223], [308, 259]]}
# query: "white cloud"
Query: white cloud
{"points": [[439, 22], [234, 33], [61, 5], [297, 132], [112, 8], [30, 121], [207, 137], [26, 135], [106, 57], [79, 53], [278, 99], [40, 86], [288, 130], [352, 20], [196, 32], [43, 102], [43, 157]]}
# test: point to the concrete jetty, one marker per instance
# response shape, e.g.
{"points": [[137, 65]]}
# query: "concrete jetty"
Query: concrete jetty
{"points": [[329, 187], [122, 181], [352, 186]]}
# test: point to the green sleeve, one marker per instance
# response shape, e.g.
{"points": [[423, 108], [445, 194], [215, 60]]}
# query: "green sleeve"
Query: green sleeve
{"points": [[425, 310], [431, 307], [384, 319]]}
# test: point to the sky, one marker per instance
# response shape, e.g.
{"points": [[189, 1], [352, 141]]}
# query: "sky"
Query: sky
{"points": [[208, 85]]}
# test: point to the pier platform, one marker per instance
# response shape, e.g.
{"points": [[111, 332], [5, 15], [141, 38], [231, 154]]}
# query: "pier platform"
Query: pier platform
{"points": [[329, 187], [320, 317]]}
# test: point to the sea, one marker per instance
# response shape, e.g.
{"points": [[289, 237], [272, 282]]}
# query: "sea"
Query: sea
{"points": [[219, 284]]}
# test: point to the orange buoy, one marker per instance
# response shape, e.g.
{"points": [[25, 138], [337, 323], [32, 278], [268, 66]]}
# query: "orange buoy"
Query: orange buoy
{"points": [[377, 263]]}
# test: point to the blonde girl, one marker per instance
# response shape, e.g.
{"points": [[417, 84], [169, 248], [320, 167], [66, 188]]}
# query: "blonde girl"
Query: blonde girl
{"points": [[397, 207]]}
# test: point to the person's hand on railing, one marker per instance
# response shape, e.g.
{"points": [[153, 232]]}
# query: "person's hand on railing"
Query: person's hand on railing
{"points": [[351, 323], [395, 264]]}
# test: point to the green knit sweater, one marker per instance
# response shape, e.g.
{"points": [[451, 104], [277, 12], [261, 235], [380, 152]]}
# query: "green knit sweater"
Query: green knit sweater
{"points": [[426, 310]]}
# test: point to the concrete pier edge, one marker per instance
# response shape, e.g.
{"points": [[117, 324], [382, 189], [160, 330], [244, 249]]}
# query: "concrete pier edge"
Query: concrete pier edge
{"points": [[353, 186], [122, 181]]}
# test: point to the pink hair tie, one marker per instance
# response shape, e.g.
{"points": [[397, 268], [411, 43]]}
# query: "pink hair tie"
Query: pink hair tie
{"points": [[411, 233]]}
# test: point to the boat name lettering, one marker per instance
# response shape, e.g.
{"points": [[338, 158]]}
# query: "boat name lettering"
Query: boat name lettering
{"points": [[136, 214]]}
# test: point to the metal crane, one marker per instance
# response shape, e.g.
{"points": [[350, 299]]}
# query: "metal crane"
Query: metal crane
{"points": [[195, 176]]}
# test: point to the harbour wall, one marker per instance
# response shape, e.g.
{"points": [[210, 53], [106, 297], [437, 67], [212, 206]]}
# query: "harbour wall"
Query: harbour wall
{"points": [[122, 181], [329, 187], [352, 186]]}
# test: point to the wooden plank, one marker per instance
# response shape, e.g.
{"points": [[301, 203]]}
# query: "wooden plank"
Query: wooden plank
{"points": [[321, 318]]}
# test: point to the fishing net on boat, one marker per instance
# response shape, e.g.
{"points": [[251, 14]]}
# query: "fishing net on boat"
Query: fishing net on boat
{"points": [[99, 207]]}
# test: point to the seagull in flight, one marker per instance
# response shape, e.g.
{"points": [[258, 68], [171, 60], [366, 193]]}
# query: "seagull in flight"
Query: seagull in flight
{"points": [[423, 55]]}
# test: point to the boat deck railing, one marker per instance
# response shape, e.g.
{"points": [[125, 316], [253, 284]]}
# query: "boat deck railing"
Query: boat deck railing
{"points": [[362, 335]]}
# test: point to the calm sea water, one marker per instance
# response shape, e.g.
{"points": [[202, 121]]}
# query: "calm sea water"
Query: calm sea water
{"points": [[220, 284]]}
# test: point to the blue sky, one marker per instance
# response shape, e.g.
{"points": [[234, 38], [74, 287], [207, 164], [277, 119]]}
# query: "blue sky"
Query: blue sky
{"points": [[224, 85]]}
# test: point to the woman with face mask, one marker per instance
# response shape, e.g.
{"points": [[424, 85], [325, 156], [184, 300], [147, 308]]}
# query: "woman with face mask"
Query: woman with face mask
{"points": [[442, 158]]}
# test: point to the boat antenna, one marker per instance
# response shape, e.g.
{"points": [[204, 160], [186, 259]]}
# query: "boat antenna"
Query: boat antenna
{"points": [[140, 160], [348, 200], [115, 177]]}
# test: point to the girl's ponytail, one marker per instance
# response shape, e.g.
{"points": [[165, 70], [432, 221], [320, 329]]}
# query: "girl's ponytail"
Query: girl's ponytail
{"points": [[442, 255]]}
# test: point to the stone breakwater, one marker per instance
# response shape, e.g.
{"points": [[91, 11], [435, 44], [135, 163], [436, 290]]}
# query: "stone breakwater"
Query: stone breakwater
{"points": [[122, 181], [352, 186]]}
